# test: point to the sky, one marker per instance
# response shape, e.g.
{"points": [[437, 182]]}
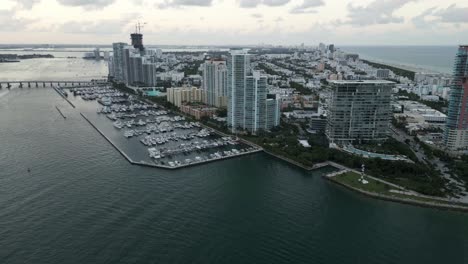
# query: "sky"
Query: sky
{"points": [[236, 22]]}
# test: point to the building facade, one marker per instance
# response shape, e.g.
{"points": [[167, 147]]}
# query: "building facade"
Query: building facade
{"points": [[118, 67], [180, 95], [359, 111], [133, 64], [215, 82], [249, 109], [456, 130]]}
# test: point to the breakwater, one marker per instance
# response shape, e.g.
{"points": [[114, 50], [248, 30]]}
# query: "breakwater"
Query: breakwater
{"points": [[59, 91], [64, 117]]}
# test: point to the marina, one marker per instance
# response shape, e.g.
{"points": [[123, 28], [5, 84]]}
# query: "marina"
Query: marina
{"points": [[149, 135]]}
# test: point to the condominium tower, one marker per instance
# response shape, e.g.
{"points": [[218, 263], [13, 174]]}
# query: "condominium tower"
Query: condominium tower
{"points": [[249, 109], [456, 131], [215, 82], [133, 65], [359, 111]]}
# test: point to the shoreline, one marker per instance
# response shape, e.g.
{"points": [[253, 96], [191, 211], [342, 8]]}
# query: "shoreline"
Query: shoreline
{"points": [[444, 205], [434, 205]]}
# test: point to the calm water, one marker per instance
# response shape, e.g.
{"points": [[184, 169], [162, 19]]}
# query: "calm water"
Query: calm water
{"points": [[432, 58], [83, 203], [58, 68]]}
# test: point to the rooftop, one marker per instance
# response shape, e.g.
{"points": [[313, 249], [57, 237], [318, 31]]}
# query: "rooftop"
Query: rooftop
{"points": [[361, 82]]}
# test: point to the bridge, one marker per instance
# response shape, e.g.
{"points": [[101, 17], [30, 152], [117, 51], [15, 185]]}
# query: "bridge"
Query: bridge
{"points": [[63, 84]]}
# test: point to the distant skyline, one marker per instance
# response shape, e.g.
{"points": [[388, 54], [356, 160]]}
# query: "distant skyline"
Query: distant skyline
{"points": [[236, 22]]}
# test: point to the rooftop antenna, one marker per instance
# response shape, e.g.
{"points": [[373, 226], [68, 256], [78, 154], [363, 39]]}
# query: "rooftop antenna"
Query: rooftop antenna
{"points": [[139, 26]]}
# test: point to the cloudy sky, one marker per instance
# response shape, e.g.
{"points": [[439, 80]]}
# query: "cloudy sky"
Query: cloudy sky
{"points": [[218, 22]]}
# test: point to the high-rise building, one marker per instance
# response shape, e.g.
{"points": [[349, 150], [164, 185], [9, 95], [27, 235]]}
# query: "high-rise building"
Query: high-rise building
{"points": [[119, 68], [248, 106], [359, 111], [137, 41], [456, 132], [149, 73], [97, 54], [215, 82]]}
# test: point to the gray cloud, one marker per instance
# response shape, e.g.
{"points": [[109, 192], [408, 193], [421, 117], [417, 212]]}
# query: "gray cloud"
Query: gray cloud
{"points": [[420, 20], [377, 12], [453, 14], [9, 23], [255, 3], [308, 6], [87, 4], [181, 3]]}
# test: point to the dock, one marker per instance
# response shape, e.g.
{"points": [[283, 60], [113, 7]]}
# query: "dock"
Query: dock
{"points": [[64, 97], [64, 117]]}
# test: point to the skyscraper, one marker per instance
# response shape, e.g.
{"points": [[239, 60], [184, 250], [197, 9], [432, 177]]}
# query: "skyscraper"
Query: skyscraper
{"points": [[137, 41], [359, 110], [456, 132], [248, 106], [215, 82], [118, 61]]}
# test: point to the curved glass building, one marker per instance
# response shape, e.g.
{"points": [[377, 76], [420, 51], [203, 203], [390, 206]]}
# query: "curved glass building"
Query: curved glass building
{"points": [[456, 132]]}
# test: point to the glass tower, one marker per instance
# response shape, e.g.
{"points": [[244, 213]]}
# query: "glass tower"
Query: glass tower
{"points": [[248, 107], [456, 132]]}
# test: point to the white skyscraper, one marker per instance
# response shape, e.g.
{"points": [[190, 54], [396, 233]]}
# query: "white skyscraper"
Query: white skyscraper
{"points": [[215, 82], [248, 106], [118, 61]]}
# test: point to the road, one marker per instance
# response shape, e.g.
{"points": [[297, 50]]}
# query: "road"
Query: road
{"points": [[435, 162]]}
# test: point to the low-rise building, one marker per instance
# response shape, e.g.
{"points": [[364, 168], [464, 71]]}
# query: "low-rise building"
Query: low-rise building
{"points": [[198, 110]]}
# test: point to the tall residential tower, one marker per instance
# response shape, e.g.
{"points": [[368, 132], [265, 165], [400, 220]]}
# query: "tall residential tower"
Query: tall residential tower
{"points": [[215, 82], [249, 109], [359, 111], [456, 131]]}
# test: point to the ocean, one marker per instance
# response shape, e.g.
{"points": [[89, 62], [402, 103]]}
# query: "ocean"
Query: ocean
{"points": [[419, 58]]}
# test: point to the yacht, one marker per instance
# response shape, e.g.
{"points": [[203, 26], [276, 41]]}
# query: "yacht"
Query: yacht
{"points": [[118, 124]]}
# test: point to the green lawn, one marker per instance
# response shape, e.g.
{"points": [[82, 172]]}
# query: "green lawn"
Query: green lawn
{"points": [[351, 179]]}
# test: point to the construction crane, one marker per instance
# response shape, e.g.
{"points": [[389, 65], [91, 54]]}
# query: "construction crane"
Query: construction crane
{"points": [[139, 26]]}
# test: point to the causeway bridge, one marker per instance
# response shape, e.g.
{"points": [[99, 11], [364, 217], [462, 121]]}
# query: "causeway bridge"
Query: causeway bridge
{"points": [[64, 84]]}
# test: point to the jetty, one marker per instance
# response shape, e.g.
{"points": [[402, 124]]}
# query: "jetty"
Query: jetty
{"points": [[64, 117]]}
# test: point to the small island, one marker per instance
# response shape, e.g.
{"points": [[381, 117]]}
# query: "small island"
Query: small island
{"points": [[17, 58]]}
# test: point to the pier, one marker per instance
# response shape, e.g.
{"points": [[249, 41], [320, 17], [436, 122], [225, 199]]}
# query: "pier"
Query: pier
{"points": [[64, 117], [59, 91], [52, 83]]}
